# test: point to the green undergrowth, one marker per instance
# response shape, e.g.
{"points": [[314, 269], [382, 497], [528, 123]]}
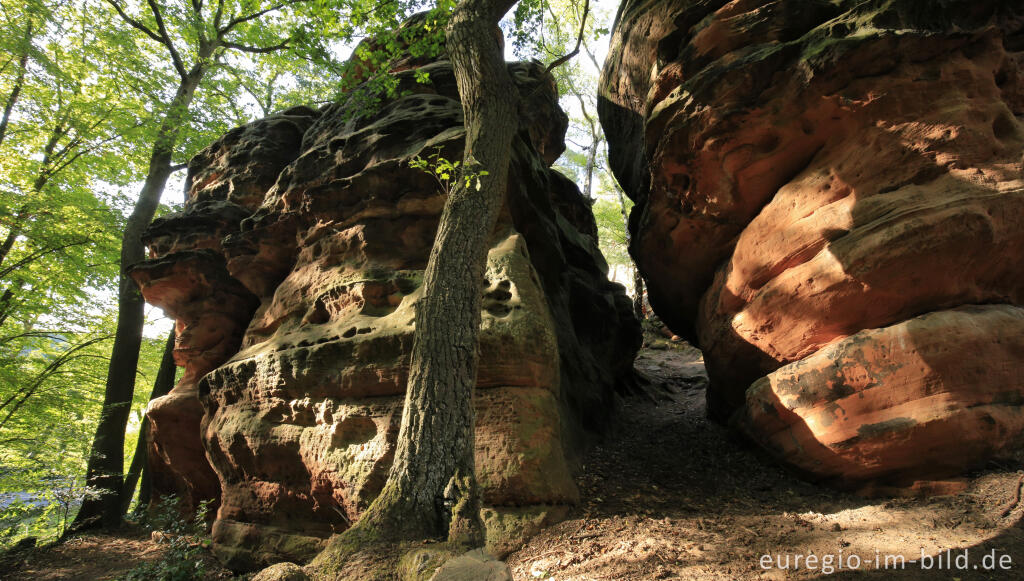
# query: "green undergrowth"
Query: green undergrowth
{"points": [[186, 541]]}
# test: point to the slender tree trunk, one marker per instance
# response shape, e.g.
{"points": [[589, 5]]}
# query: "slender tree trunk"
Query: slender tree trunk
{"points": [[161, 386], [7, 301], [588, 177], [19, 82], [12, 237], [145, 486], [23, 213], [638, 281], [638, 301], [104, 474], [431, 490], [595, 141]]}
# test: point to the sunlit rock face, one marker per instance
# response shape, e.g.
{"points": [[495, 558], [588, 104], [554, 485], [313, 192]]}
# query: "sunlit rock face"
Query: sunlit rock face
{"points": [[830, 201], [187, 277], [299, 297]]}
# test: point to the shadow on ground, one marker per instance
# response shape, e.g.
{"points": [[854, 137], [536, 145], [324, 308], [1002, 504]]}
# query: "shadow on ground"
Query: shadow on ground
{"points": [[674, 496]]}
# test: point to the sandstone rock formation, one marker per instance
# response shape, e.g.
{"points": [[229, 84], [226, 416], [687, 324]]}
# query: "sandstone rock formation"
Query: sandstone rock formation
{"points": [[187, 277], [824, 189], [292, 274]]}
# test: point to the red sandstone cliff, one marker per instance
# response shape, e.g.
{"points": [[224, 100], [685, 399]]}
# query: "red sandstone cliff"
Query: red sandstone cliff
{"points": [[830, 202], [292, 274]]}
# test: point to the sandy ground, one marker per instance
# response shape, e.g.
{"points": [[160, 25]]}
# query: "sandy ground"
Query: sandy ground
{"points": [[675, 496]]}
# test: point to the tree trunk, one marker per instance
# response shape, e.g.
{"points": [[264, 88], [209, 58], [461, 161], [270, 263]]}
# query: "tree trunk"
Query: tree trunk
{"points": [[161, 386], [595, 142], [7, 300], [104, 475], [638, 282], [431, 490], [19, 82], [12, 237], [24, 213], [638, 301], [145, 486], [588, 178]]}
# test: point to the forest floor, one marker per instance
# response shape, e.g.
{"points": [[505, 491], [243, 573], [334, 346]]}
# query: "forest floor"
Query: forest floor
{"points": [[672, 495], [93, 557]]}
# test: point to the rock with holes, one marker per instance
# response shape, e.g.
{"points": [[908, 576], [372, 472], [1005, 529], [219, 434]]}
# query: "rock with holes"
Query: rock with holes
{"points": [[312, 293], [188, 278], [810, 176]]}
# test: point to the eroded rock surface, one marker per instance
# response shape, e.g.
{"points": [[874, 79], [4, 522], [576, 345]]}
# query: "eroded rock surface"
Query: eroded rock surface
{"points": [[820, 186], [292, 274], [187, 277]]}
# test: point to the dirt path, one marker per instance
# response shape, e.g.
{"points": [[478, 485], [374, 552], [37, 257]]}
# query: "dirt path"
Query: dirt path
{"points": [[674, 496]]}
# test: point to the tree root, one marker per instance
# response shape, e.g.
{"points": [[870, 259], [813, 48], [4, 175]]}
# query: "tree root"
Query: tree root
{"points": [[382, 562]]}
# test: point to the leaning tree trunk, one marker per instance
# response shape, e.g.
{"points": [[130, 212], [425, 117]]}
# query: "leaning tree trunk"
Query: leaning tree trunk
{"points": [[161, 386], [433, 465], [104, 474]]}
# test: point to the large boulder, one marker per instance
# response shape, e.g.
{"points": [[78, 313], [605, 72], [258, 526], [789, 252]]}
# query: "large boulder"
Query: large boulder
{"points": [[310, 294], [822, 189]]}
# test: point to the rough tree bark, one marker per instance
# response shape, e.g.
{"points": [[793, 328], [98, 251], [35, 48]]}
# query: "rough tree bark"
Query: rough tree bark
{"points": [[105, 471], [161, 386], [211, 40], [431, 490]]}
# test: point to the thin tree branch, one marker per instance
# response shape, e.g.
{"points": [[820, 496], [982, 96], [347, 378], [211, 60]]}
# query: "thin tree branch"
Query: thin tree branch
{"points": [[242, 19], [62, 153], [218, 14], [266, 104], [39, 254], [579, 40], [167, 39], [52, 335], [590, 54], [1016, 499], [50, 370], [135, 23], [7, 63], [85, 150], [257, 49], [162, 37]]}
